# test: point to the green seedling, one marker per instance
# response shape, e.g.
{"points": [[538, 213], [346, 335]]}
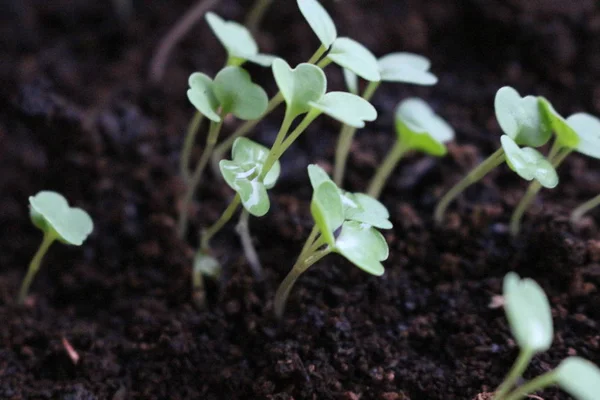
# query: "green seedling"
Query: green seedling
{"points": [[521, 120], [231, 92], [530, 319], [256, 14], [345, 223], [394, 67], [50, 212], [418, 128]]}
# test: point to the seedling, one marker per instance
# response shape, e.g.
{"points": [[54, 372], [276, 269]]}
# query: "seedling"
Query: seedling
{"points": [[583, 208], [418, 128], [394, 67], [345, 223], [530, 319], [50, 212]]}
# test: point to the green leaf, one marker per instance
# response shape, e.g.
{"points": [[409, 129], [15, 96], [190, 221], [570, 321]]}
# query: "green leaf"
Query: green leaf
{"points": [[327, 210], [238, 42], [529, 163], [319, 20], [363, 246], [369, 211], [237, 94], [202, 96], [406, 67], [419, 128], [248, 153], [347, 108], [579, 377], [351, 80], [352, 55], [528, 313], [317, 175], [299, 86], [51, 213], [565, 135], [519, 117], [587, 128]]}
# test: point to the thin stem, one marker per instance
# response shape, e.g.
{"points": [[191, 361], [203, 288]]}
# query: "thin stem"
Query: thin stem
{"points": [[35, 264], [556, 147], [514, 374], [272, 156], [301, 265], [195, 179], [188, 145], [243, 230], [539, 383], [475, 175], [584, 208], [370, 90], [219, 224], [324, 62], [306, 121], [256, 14], [386, 168], [309, 241], [317, 55]]}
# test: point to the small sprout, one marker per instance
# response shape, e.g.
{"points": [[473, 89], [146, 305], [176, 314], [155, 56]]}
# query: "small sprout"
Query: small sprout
{"points": [[299, 86], [204, 266], [418, 128], [529, 163], [579, 377], [347, 108], [351, 55], [51, 213], [407, 68], [242, 175], [238, 42], [319, 20]]}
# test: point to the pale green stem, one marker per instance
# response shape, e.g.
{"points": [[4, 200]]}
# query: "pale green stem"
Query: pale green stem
{"points": [[34, 265], [324, 62], [539, 383], [243, 230], [472, 177], [556, 147], [306, 121], [256, 14], [584, 208], [514, 374], [188, 145], [195, 179], [309, 242], [386, 168], [317, 55], [219, 224], [198, 290], [370, 90], [272, 156], [283, 291]]}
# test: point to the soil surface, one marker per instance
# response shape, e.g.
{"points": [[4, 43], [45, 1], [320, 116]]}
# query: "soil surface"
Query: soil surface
{"points": [[77, 115]]}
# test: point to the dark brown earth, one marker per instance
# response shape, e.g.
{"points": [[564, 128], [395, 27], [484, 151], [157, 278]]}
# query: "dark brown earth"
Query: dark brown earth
{"points": [[78, 116]]}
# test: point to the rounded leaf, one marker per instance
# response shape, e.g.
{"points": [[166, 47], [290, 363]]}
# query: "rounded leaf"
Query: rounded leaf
{"points": [[319, 20], [245, 182], [299, 86], [528, 313], [519, 117], [250, 154], [237, 94], [350, 54], [347, 108], [579, 377], [369, 211], [363, 246], [50, 212], [419, 128], [202, 96], [565, 135], [327, 210], [406, 67], [529, 163], [587, 128]]}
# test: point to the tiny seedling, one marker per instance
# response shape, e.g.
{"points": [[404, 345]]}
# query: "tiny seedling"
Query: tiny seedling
{"points": [[50, 212], [530, 319], [345, 223], [417, 128]]}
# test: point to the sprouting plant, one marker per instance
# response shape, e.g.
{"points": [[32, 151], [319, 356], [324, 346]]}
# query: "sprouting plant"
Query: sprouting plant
{"points": [[394, 67], [50, 212], [530, 319], [418, 128], [345, 223], [520, 119], [231, 92]]}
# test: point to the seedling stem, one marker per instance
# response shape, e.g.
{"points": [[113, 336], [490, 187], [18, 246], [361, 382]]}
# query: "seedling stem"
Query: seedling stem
{"points": [[243, 230], [188, 145], [256, 14], [539, 383], [218, 225], [514, 374], [34, 265], [386, 168], [584, 208]]}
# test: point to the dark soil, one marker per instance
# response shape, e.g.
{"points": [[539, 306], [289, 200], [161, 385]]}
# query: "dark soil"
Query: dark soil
{"points": [[78, 116]]}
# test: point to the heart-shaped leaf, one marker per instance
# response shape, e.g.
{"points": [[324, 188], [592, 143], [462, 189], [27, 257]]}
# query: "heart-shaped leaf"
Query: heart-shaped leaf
{"points": [[248, 153], [51, 213], [237, 94], [347, 108], [327, 210], [238, 42], [565, 135], [587, 128], [363, 246], [202, 96], [519, 117], [350, 54], [419, 128], [406, 67], [579, 377], [299, 86], [529, 163], [351, 80], [319, 20], [528, 312]]}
